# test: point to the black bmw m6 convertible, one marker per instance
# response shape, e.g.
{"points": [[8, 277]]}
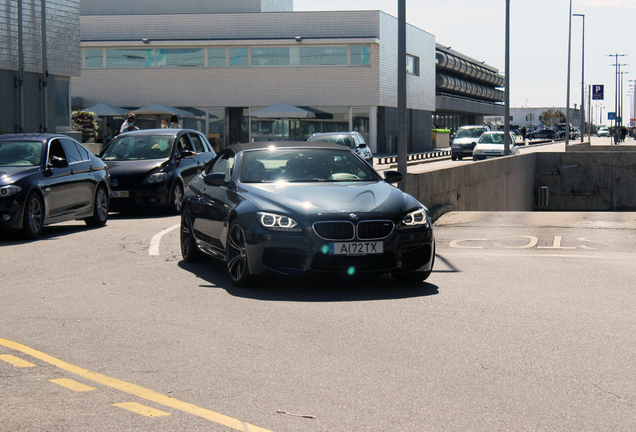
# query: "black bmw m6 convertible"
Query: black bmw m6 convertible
{"points": [[295, 208]]}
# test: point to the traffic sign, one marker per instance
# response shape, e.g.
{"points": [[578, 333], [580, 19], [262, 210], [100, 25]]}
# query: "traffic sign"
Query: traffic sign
{"points": [[598, 91], [611, 116]]}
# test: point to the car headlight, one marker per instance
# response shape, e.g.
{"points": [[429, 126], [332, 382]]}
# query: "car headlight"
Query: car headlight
{"points": [[7, 191], [156, 178], [415, 219], [477, 150], [274, 222]]}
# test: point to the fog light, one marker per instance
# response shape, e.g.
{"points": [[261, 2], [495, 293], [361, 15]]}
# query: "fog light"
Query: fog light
{"points": [[153, 200], [6, 218]]}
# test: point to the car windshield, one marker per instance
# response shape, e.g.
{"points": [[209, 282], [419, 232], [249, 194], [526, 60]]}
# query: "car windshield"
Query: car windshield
{"points": [[138, 148], [303, 165], [491, 138], [343, 140], [469, 133], [20, 153]]}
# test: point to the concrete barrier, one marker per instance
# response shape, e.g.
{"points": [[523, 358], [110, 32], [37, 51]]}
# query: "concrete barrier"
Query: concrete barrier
{"points": [[576, 181], [587, 147], [501, 184]]}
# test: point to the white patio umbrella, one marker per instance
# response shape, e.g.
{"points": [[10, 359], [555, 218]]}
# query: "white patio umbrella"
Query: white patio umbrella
{"points": [[283, 111], [159, 109], [104, 110]]}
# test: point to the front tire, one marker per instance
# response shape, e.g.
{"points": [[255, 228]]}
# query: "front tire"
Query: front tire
{"points": [[33, 217], [100, 209], [236, 256], [176, 197], [189, 249]]}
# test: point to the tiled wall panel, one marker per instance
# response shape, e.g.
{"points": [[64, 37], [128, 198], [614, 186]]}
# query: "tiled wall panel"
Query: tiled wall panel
{"points": [[171, 7], [274, 25], [62, 36]]}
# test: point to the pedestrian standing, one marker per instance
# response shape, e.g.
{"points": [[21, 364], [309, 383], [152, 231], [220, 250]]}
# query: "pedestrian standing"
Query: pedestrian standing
{"points": [[174, 122], [130, 124], [125, 124], [164, 123], [108, 133]]}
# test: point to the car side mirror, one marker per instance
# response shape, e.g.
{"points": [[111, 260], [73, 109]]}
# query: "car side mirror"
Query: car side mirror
{"points": [[184, 154], [393, 176], [58, 162], [214, 179]]}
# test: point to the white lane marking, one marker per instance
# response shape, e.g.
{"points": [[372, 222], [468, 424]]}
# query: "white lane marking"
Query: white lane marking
{"points": [[156, 240], [456, 244], [556, 244], [532, 242]]}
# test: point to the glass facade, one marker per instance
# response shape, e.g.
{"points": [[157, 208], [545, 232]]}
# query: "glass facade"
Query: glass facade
{"points": [[357, 55], [62, 102], [360, 55], [130, 58], [323, 56], [181, 57], [217, 57], [94, 58], [274, 56], [412, 65], [238, 56]]}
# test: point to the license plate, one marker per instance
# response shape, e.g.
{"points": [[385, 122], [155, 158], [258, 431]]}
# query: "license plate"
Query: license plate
{"points": [[356, 248], [119, 194]]}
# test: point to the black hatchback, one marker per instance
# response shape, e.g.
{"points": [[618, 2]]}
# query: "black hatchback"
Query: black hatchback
{"points": [[151, 167], [50, 178]]}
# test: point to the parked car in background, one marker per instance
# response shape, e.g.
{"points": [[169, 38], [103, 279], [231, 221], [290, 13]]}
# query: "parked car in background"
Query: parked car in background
{"points": [[298, 208], [602, 131], [542, 134], [50, 178], [561, 130], [465, 140], [491, 144], [151, 167], [576, 132], [352, 140]]}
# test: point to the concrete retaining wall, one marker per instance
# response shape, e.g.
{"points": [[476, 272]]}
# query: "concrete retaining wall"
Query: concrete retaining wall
{"points": [[628, 146], [502, 184], [588, 181]]}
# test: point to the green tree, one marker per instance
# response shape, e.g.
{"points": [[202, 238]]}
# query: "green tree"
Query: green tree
{"points": [[549, 117]]}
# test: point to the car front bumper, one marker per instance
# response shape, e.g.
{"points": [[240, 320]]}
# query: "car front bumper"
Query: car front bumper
{"points": [[139, 195], [295, 254]]}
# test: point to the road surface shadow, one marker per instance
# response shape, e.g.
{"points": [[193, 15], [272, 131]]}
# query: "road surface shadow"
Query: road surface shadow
{"points": [[311, 288]]}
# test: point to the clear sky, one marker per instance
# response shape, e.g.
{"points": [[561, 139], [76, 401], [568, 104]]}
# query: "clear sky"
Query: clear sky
{"points": [[538, 41]]}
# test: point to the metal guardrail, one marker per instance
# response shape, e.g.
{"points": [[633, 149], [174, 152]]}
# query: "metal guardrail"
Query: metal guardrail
{"points": [[413, 157]]}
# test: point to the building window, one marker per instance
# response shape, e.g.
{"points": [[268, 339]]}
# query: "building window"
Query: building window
{"points": [[360, 55], [181, 57], [94, 58], [238, 56], [412, 65], [130, 58], [62, 102], [274, 56], [216, 57], [323, 56]]}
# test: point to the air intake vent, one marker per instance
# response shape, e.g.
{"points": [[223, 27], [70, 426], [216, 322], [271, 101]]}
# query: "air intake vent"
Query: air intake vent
{"points": [[544, 197]]}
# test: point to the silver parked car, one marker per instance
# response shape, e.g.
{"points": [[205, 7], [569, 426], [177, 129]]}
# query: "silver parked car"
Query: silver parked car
{"points": [[353, 140], [491, 144]]}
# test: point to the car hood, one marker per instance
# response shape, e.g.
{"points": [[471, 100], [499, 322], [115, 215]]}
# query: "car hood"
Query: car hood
{"points": [[492, 147], [330, 198], [122, 169], [465, 140], [9, 175]]}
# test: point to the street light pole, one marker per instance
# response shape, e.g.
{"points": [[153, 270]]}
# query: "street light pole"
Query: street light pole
{"points": [[582, 80], [616, 90], [567, 103], [507, 78], [402, 151]]}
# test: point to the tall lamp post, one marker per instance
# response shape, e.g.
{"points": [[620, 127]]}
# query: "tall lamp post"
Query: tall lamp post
{"points": [[507, 78], [402, 150], [567, 102], [616, 90], [582, 80]]}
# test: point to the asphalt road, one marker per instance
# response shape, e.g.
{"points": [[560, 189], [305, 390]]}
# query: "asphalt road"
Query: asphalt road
{"points": [[525, 324]]}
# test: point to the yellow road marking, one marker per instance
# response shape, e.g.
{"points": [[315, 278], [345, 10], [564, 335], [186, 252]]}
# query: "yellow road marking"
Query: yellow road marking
{"points": [[142, 409], [72, 384], [16, 361], [136, 390]]}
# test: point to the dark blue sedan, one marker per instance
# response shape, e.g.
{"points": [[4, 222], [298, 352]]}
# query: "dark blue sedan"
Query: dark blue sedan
{"points": [[49, 178]]}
